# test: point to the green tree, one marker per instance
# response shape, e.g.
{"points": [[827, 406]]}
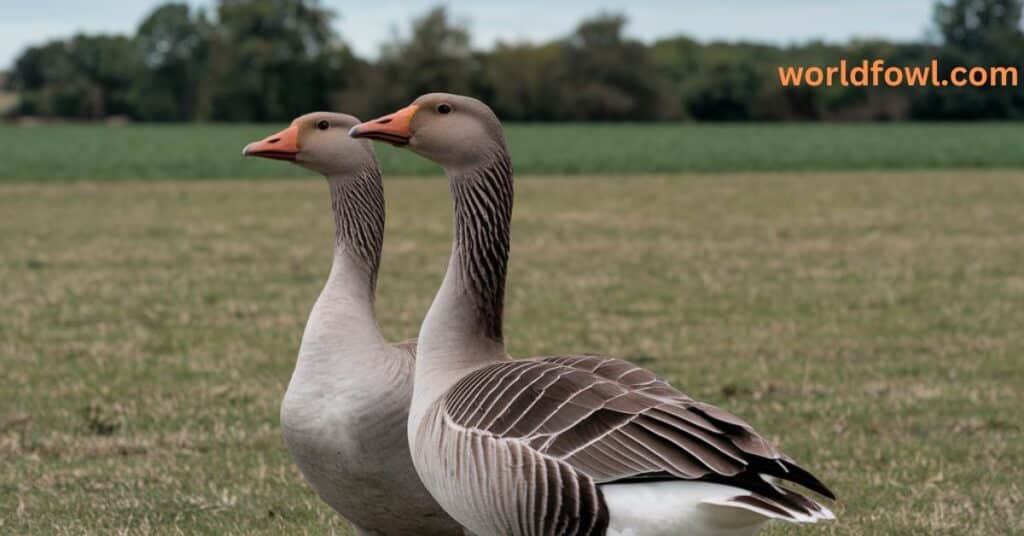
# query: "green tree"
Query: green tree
{"points": [[272, 60], [436, 56], [725, 90], [87, 77], [675, 62], [609, 77], [173, 46], [976, 33], [593, 74], [525, 81], [979, 24]]}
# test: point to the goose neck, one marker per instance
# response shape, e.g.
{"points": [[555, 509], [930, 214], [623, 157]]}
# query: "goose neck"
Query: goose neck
{"points": [[343, 319], [464, 324], [357, 204]]}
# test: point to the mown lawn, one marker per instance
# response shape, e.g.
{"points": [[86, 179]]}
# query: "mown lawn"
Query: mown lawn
{"points": [[93, 152], [869, 322]]}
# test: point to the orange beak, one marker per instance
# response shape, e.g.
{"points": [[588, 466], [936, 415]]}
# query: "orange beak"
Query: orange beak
{"points": [[392, 128], [281, 146]]}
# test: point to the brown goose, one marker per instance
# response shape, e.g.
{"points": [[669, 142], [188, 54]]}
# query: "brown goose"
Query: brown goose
{"points": [[559, 445], [344, 412]]}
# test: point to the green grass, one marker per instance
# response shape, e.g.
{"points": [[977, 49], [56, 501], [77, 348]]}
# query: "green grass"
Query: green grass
{"points": [[868, 322], [69, 152]]}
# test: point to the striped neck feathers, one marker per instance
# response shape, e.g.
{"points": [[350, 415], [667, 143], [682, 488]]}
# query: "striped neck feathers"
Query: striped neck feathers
{"points": [[357, 202], [483, 212]]}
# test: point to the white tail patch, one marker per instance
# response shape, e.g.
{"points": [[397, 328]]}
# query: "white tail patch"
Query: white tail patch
{"points": [[670, 508], [770, 510]]}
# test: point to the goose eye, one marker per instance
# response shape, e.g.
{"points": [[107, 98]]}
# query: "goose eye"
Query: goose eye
{"points": [[444, 109], [323, 124]]}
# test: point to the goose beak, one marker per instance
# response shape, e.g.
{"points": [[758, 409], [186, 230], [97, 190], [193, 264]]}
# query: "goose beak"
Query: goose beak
{"points": [[392, 128], [281, 146]]}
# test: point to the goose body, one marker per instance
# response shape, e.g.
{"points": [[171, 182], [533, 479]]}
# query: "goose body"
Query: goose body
{"points": [[343, 421], [573, 444], [545, 446], [343, 414]]}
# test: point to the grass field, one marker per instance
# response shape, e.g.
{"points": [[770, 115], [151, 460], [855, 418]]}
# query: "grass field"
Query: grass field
{"points": [[69, 152], [869, 322]]}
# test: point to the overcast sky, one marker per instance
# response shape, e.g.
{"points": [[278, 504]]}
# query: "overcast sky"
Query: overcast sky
{"points": [[365, 24]]}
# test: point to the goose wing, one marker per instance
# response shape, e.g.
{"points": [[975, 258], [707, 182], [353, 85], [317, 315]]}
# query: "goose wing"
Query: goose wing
{"points": [[611, 421]]}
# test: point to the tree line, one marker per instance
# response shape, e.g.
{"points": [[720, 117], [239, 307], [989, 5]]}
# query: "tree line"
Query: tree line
{"points": [[271, 60]]}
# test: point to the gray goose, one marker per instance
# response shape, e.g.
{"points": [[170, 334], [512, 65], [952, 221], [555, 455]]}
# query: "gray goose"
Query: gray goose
{"points": [[575, 444], [344, 412]]}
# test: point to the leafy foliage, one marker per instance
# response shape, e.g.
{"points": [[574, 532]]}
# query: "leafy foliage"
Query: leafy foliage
{"points": [[83, 77], [263, 60]]}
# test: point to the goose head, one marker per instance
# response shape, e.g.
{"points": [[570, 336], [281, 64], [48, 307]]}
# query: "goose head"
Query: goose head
{"points": [[317, 141], [455, 131]]}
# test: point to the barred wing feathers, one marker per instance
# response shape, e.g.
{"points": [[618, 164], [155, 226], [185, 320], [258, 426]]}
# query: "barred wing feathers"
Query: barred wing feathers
{"points": [[613, 422]]}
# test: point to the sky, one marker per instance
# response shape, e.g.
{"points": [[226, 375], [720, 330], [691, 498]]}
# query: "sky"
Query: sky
{"points": [[366, 24]]}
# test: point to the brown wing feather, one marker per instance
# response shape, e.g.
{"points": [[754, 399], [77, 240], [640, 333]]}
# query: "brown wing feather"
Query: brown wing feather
{"points": [[613, 421]]}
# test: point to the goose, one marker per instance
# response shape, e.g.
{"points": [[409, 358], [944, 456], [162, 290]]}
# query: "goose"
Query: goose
{"points": [[344, 412], [571, 444]]}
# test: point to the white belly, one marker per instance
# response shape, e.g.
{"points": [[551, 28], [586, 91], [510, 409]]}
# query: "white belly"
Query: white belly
{"points": [[335, 445], [676, 507], [352, 449]]}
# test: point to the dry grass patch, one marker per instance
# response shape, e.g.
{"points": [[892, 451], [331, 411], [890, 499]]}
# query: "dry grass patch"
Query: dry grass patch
{"points": [[869, 322]]}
